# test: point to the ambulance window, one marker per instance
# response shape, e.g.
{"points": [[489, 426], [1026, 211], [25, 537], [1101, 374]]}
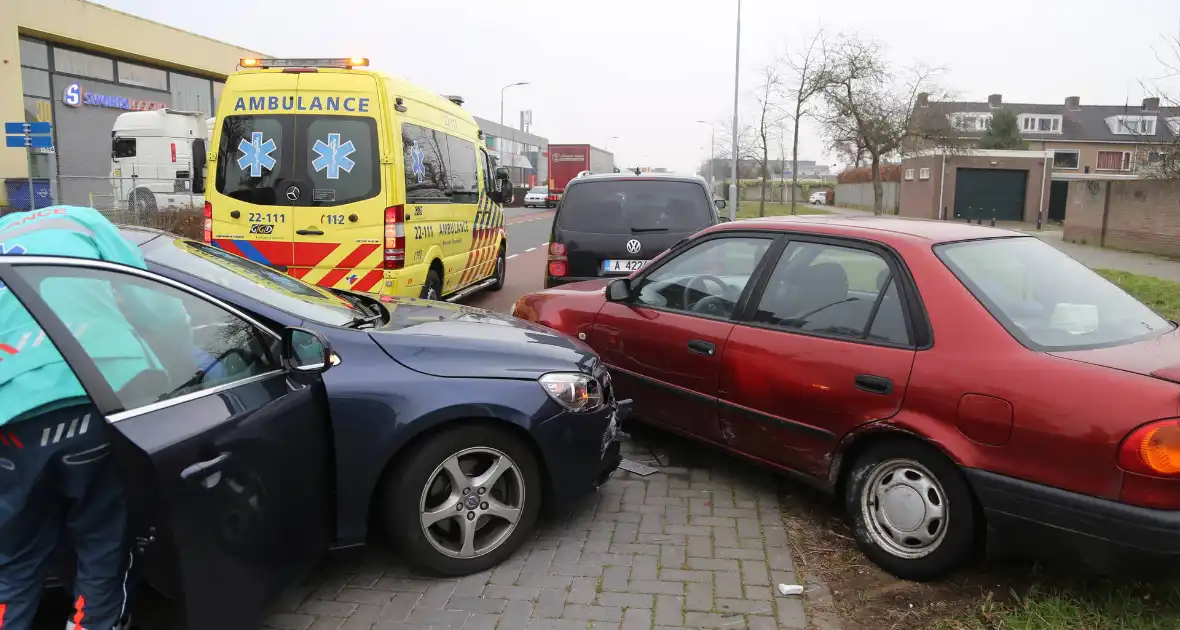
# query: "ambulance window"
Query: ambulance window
{"points": [[342, 162], [485, 163], [425, 153], [463, 171], [251, 159]]}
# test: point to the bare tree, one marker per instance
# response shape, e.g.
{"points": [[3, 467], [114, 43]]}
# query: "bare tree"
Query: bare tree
{"points": [[809, 78], [1163, 158], [850, 150], [770, 116], [868, 102]]}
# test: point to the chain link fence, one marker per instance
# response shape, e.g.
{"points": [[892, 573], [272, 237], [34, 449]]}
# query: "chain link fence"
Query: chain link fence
{"points": [[166, 204]]}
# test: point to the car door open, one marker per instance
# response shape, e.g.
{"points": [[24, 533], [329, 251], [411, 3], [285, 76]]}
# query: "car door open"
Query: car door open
{"points": [[224, 443]]}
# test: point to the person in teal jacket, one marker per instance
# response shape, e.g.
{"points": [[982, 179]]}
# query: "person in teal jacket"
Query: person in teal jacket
{"points": [[56, 472]]}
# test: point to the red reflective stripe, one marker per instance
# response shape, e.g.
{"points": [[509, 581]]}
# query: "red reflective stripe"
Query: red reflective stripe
{"points": [[367, 282], [3, 607], [310, 254], [228, 246], [15, 440], [79, 613], [298, 272], [344, 266], [4, 440], [7, 348]]}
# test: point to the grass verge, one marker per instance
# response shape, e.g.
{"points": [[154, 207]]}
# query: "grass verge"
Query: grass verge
{"points": [[749, 209], [1161, 295]]}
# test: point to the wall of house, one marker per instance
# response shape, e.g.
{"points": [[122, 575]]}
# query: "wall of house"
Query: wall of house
{"points": [[1143, 215], [919, 198], [1087, 153]]}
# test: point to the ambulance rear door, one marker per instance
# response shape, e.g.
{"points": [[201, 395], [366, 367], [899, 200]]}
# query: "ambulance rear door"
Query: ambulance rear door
{"points": [[339, 213], [255, 188]]}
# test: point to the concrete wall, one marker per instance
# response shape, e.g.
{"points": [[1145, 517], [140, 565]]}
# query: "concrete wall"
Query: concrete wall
{"points": [[1142, 215], [861, 195], [919, 198], [96, 28]]}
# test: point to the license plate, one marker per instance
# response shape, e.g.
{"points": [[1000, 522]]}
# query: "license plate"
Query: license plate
{"points": [[622, 266]]}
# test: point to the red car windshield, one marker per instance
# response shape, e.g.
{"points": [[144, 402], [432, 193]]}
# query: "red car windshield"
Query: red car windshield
{"points": [[1046, 299]]}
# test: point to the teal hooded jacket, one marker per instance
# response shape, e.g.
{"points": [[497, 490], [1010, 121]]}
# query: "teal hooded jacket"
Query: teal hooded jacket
{"points": [[34, 377]]}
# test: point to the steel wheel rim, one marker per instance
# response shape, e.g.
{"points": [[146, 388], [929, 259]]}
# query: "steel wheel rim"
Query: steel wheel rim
{"points": [[500, 266], [472, 503], [904, 508], [431, 294]]}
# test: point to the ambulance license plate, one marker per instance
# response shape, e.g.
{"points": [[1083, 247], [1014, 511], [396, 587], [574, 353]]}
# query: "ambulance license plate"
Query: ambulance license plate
{"points": [[622, 266]]}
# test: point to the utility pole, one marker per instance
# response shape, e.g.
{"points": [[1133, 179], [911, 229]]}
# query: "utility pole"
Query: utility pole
{"points": [[737, 66], [712, 148]]}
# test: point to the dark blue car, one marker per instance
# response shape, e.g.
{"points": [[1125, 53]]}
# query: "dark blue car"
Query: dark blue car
{"points": [[317, 416]]}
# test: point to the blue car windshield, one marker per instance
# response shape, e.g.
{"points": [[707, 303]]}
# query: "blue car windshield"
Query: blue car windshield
{"points": [[249, 278]]}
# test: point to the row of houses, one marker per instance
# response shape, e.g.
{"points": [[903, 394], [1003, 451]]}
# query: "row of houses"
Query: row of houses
{"points": [[1066, 142]]}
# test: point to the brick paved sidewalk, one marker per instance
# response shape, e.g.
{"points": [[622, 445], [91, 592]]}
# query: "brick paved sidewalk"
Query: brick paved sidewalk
{"points": [[688, 547]]}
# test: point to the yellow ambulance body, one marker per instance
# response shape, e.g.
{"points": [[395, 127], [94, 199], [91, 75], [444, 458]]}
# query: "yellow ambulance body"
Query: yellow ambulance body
{"points": [[351, 179]]}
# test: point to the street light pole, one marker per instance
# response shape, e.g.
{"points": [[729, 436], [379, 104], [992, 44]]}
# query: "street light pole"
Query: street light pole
{"points": [[502, 97], [737, 66], [712, 148]]}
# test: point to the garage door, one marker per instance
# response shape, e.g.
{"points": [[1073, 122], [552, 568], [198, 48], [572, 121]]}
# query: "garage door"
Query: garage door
{"points": [[982, 192]]}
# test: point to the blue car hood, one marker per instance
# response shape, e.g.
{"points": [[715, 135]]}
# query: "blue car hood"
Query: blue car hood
{"points": [[452, 340]]}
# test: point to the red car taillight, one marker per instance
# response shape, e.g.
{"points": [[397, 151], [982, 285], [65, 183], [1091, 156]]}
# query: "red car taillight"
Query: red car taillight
{"points": [[551, 198], [1151, 457], [395, 237], [207, 231], [557, 259]]}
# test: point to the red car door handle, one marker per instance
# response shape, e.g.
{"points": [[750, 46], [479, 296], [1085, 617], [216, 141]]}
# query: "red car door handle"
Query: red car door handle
{"points": [[702, 347], [874, 384], [208, 466]]}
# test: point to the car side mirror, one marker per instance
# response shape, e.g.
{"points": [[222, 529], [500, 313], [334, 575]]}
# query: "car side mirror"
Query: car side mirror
{"points": [[507, 193], [719, 204], [618, 290], [306, 351]]}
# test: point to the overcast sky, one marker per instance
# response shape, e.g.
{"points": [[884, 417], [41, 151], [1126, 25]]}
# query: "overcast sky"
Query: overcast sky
{"points": [[646, 70]]}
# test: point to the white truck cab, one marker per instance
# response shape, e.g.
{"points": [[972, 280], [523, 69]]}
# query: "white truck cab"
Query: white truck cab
{"points": [[158, 159]]}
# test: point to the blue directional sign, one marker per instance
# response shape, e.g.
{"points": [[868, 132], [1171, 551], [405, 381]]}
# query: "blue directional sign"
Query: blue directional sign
{"points": [[34, 128]]}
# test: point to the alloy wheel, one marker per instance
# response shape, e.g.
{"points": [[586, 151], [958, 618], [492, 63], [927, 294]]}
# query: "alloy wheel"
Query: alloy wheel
{"points": [[472, 502], [905, 508]]}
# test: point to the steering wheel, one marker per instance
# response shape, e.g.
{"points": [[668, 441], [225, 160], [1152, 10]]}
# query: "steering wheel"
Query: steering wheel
{"points": [[714, 306], [702, 281]]}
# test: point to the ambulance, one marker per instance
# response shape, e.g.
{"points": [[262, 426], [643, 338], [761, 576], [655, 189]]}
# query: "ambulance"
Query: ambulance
{"points": [[350, 179]]}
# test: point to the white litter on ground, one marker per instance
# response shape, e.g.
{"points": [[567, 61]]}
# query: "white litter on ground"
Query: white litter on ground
{"points": [[635, 467], [790, 589]]}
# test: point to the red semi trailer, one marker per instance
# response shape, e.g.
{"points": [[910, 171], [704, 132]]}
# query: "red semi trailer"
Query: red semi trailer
{"points": [[566, 161]]}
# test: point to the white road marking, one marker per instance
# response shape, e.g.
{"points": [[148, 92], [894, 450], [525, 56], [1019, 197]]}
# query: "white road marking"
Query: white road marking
{"points": [[531, 249], [513, 256]]}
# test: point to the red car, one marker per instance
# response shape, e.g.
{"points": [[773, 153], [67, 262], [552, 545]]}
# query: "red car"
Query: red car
{"points": [[955, 386]]}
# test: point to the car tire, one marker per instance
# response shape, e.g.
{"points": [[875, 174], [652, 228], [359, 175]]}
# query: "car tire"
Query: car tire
{"points": [[432, 288], [911, 477], [501, 270], [422, 484]]}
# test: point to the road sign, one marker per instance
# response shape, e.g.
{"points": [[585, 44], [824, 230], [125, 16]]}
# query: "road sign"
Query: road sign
{"points": [[35, 128], [25, 135]]}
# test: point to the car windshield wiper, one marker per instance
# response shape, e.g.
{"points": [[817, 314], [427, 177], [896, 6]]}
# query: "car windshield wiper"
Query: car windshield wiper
{"points": [[372, 314], [365, 320], [654, 229]]}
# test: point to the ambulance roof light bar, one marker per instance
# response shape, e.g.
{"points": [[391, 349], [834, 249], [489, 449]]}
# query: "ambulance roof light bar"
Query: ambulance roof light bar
{"points": [[341, 62]]}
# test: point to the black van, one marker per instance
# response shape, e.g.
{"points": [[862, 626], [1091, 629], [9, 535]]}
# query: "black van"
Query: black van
{"points": [[610, 225]]}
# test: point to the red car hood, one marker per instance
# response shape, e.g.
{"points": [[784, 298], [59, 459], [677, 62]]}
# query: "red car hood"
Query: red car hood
{"points": [[1159, 357]]}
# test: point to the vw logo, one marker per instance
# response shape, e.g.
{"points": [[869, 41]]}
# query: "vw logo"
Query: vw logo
{"points": [[293, 193], [633, 246]]}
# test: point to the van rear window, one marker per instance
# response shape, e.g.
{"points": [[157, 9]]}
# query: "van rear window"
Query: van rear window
{"points": [[631, 206], [332, 160]]}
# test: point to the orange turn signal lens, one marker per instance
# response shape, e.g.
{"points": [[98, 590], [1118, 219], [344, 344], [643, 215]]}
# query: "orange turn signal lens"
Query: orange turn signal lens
{"points": [[1152, 449]]}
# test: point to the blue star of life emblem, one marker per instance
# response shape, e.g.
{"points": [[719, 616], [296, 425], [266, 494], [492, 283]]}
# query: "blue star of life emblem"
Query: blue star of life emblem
{"points": [[333, 156], [417, 165], [15, 250], [256, 154], [352, 279]]}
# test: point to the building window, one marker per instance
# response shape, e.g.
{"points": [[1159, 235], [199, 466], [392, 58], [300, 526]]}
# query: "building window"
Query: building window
{"points": [[191, 93], [35, 82], [1132, 125], [909, 173], [218, 86], [971, 121], [82, 64], [1036, 123], [1066, 159], [143, 76], [924, 173], [1114, 160], [34, 54]]}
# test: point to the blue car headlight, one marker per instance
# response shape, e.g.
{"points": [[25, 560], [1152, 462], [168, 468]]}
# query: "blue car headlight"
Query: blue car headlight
{"points": [[573, 390]]}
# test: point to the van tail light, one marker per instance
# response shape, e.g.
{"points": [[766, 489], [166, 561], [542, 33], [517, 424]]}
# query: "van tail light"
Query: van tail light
{"points": [[207, 232], [558, 266], [551, 198], [395, 237], [1150, 455], [173, 144]]}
